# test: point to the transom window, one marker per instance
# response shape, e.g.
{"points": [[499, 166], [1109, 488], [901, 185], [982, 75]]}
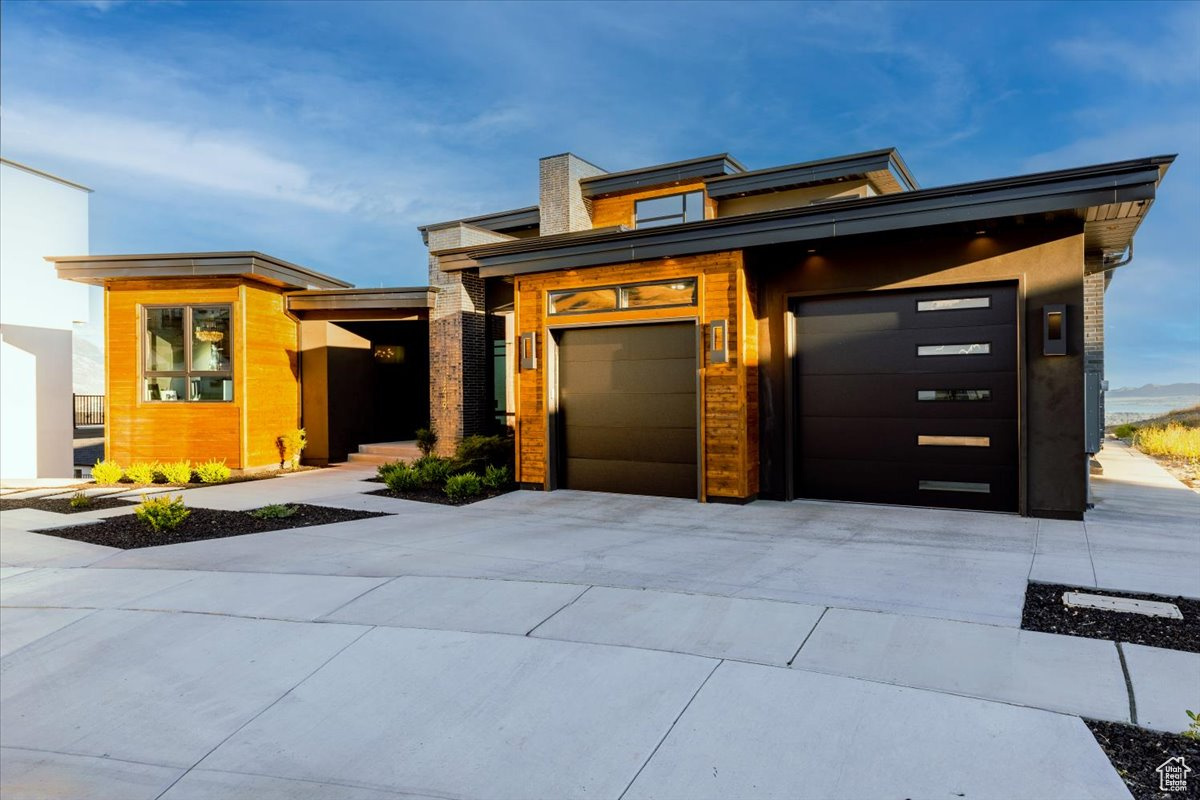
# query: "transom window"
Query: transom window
{"points": [[188, 353], [664, 294], [672, 209]]}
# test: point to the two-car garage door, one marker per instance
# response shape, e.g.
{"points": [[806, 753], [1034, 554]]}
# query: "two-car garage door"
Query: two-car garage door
{"points": [[908, 397]]}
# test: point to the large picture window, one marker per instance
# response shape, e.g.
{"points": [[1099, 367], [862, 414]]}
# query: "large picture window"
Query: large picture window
{"points": [[672, 209], [188, 353]]}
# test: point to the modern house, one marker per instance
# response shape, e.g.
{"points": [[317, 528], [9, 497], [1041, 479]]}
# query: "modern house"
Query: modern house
{"points": [[39, 213], [826, 329]]}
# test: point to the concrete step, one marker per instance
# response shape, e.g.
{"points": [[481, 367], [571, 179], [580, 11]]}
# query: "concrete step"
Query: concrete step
{"points": [[371, 458], [406, 450]]}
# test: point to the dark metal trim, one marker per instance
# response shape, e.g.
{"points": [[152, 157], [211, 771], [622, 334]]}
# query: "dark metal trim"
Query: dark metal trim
{"points": [[660, 175], [365, 299], [244, 264], [811, 172], [527, 217], [1066, 190]]}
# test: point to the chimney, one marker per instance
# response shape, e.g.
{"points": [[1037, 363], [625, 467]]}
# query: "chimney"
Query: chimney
{"points": [[562, 205]]}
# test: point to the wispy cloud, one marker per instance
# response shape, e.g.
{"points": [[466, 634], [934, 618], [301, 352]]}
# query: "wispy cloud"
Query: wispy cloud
{"points": [[217, 160], [1171, 57]]}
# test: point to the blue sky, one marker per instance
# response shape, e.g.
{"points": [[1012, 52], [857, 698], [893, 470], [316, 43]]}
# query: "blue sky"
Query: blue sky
{"points": [[325, 133]]}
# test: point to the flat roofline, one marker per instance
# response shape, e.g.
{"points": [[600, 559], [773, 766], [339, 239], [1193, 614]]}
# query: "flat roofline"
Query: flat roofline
{"points": [[362, 299], [242, 263], [661, 174], [514, 216], [813, 172], [1068, 189], [43, 174]]}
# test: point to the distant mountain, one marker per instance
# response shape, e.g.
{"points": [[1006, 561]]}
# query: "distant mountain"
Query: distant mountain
{"points": [[1155, 390]]}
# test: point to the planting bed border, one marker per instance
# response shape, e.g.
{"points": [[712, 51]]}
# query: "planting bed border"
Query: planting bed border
{"points": [[127, 532], [438, 496], [1136, 753], [61, 504], [1045, 611]]}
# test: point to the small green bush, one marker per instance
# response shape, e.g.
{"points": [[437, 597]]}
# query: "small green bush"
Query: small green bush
{"points": [[1193, 731], [427, 439], [1125, 431], [496, 477], [433, 471], [213, 471], [141, 472], [274, 511], [79, 500], [162, 514], [403, 479], [106, 472], [383, 469], [177, 471], [290, 446], [477, 453], [464, 486]]}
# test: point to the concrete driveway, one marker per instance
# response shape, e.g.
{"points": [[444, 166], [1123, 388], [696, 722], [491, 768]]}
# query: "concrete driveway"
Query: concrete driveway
{"points": [[572, 644]]}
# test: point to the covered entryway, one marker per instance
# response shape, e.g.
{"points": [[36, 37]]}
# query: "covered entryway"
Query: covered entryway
{"points": [[908, 397], [626, 419]]}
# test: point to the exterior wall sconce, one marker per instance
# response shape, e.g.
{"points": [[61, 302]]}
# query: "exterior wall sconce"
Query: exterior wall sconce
{"points": [[528, 350], [718, 341], [1054, 330]]}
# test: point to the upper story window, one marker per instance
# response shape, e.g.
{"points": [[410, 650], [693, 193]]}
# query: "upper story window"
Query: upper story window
{"points": [[188, 353], [660, 294], [672, 209]]}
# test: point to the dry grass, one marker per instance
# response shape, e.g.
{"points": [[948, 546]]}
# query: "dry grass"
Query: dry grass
{"points": [[1172, 441]]}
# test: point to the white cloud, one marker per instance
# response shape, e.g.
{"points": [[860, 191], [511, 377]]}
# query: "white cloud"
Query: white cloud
{"points": [[215, 160], [1173, 58]]}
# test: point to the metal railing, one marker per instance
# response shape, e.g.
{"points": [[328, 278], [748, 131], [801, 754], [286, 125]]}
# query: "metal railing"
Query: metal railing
{"points": [[89, 409]]}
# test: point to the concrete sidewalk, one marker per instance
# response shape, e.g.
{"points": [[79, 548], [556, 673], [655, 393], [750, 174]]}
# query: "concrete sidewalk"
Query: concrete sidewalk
{"points": [[570, 644]]}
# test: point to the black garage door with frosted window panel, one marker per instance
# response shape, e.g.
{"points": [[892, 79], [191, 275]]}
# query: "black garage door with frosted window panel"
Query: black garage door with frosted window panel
{"points": [[626, 417], [908, 397]]}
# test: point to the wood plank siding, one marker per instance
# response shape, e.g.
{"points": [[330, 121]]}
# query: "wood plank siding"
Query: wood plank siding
{"points": [[618, 209], [265, 389], [728, 391]]}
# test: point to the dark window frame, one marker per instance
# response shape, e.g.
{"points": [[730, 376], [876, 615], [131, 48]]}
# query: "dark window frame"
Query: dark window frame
{"points": [[662, 220], [619, 290], [187, 373]]}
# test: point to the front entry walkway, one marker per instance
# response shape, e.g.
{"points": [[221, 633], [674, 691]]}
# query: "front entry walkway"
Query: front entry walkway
{"points": [[572, 644]]}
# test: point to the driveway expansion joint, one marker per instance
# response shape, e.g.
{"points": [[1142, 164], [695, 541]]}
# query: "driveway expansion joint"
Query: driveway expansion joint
{"points": [[1133, 718]]}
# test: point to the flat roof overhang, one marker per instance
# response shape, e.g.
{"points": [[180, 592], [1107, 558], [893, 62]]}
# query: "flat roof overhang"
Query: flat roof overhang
{"points": [[885, 169], [693, 169], [252, 265], [1111, 199], [392, 303], [499, 222]]}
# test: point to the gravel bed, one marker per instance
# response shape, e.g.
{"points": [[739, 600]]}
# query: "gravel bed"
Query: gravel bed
{"points": [[439, 497], [62, 505], [127, 532], [1044, 611], [1136, 754]]}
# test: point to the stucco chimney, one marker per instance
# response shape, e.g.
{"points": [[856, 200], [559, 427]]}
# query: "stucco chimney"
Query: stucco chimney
{"points": [[561, 203]]}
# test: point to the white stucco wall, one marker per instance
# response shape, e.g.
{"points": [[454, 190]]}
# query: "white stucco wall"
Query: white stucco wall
{"points": [[39, 216]]}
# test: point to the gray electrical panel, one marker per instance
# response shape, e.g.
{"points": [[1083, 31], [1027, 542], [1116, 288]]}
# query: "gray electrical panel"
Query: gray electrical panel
{"points": [[1093, 421]]}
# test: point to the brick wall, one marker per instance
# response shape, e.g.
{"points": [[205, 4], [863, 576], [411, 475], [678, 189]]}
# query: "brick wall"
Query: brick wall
{"points": [[562, 205], [1093, 326], [458, 341]]}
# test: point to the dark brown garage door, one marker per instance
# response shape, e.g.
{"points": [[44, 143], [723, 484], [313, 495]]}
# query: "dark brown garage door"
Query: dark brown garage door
{"points": [[627, 409], [909, 397]]}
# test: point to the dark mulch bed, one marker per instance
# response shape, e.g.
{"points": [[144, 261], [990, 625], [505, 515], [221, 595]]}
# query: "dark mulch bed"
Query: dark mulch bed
{"points": [[1045, 611], [62, 505], [1136, 754], [129, 533], [438, 496]]}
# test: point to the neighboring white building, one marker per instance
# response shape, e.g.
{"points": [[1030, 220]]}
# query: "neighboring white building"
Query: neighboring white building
{"points": [[40, 215]]}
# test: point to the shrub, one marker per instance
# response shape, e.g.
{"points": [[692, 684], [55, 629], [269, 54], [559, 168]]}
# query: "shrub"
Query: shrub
{"points": [[403, 479], [1193, 730], [1125, 431], [213, 471], [177, 471], [433, 471], [141, 472], [162, 514], [383, 469], [291, 445], [1173, 439], [495, 477], [477, 453], [106, 472], [464, 486], [274, 511], [427, 439], [79, 500]]}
